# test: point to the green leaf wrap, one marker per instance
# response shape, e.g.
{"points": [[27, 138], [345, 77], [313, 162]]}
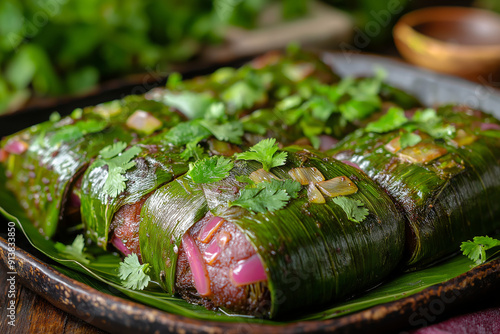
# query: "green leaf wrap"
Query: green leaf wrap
{"points": [[446, 200], [154, 166], [166, 215], [40, 177], [313, 254]]}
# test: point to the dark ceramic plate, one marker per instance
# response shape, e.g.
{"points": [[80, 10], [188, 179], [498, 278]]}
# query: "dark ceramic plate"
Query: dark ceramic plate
{"points": [[119, 315]]}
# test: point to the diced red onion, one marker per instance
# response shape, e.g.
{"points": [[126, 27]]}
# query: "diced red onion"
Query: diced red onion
{"points": [[118, 243], [248, 271], [327, 142], [198, 268], [3, 155], [489, 126], [350, 163], [16, 147], [212, 251], [209, 229]]}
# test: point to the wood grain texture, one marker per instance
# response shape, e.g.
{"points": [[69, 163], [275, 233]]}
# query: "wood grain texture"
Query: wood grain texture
{"points": [[35, 315]]}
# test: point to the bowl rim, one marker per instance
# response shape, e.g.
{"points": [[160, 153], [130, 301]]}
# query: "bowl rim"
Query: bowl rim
{"points": [[405, 27]]}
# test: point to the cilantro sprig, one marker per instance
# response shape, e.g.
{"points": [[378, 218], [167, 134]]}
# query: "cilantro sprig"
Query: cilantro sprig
{"points": [[353, 208], [267, 196], [75, 250], [265, 153], [118, 162], [76, 131], [209, 170], [425, 120], [476, 250], [133, 274]]}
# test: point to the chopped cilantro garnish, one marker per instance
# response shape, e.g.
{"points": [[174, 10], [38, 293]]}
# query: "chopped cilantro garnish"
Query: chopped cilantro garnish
{"points": [[428, 121], [353, 208], [265, 153], [185, 132], [230, 131], [133, 274], [173, 80], [193, 150], [55, 117], [210, 170], [76, 131], [191, 104], [75, 250], [476, 250], [408, 139], [392, 120], [267, 195], [245, 179], [118, 162]]}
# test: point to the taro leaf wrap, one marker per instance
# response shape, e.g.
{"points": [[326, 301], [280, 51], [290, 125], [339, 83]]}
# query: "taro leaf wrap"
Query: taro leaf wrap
{"points": [[448, 192], [55, 153], [312, 253]]}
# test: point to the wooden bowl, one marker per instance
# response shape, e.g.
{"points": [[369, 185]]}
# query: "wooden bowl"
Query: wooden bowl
{"points": [[453, 40]]}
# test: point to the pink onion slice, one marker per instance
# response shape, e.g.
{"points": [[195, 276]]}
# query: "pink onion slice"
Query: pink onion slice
{"points": [[16, 147], [212, 251], [326, 142], [248, 271], [198, 268], [489, 126], [118, 243], [209, 229]]}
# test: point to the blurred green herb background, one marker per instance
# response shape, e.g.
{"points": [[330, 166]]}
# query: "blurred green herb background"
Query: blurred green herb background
{"points": [[61, 47]]}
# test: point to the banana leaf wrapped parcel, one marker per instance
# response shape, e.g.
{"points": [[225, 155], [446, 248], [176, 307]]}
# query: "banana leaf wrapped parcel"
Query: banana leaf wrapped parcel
{"points": [[441, 167], [266, 189]]}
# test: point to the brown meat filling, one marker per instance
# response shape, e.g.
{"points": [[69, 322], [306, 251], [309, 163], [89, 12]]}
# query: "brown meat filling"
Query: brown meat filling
{"points": [[251, 299]]}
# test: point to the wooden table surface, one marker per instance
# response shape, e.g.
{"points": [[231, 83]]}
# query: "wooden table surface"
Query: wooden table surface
{"points": [[35, 315]]}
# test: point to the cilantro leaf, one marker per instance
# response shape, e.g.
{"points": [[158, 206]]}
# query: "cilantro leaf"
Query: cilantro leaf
{"points": [[292, 187], [243, 95], [245, 179], [76, 131], [353, 208], [118, 162], [265, 197], [193, 150], [392, 120], [75, 250], [476, 250], [408, 139], [216, 111], [191, 104], [229, 131], [133, 274], [210, 170], [428, 121], [265, 153], [184, 132], [112, 150]]}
